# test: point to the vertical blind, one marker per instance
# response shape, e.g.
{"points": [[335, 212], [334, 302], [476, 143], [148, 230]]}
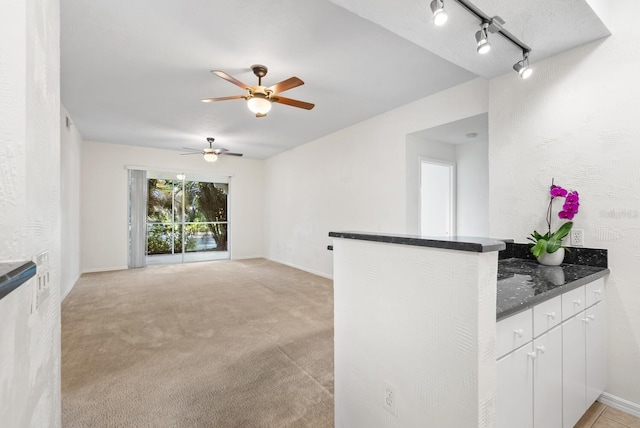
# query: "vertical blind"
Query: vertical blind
{"points": [[137, 218]]}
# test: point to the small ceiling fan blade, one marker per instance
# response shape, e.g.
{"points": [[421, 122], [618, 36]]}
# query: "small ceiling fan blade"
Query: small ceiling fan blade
{"points": [[285, 85], [292, 102], [196, 150], [232, 97], [222, 151], [230, 78], [199, 152]]}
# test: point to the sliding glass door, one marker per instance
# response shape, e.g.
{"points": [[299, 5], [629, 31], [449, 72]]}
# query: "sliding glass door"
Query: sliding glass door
{"points": [[186, 219]]}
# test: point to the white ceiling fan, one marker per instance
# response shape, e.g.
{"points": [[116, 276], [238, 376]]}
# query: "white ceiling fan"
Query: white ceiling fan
{"points": [[211, 154]]}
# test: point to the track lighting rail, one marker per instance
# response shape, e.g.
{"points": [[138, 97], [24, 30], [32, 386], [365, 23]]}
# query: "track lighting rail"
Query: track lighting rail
{"points": [[495, 24]]}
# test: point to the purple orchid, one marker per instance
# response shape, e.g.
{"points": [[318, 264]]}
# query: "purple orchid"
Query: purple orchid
{"points": [[551, 242], [566, 214], [558, 191], [573, 198]]}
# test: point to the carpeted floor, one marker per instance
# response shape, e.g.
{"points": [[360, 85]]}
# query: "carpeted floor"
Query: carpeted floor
{"points": [[217, 344]]}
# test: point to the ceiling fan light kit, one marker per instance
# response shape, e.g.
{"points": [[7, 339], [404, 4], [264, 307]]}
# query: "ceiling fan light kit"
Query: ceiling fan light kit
{"points": [[210, 154], [259, 105], [210, 157], [493, 25], [260, 98]]}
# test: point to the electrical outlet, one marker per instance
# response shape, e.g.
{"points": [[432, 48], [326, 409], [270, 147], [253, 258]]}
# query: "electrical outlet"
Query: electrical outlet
{"points": [[42, 270], [577, 237], [390, 398]]}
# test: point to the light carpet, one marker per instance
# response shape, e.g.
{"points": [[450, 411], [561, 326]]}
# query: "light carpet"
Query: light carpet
{"points": [[216, 344]]}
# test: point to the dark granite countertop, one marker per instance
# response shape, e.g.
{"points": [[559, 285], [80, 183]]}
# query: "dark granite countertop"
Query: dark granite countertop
{"points": [[460, 243], [525, 283], [522, 281], [14, 274]]}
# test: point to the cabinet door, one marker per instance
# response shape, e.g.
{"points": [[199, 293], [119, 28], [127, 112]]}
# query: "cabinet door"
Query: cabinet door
{"points": [[573, 370], [514, 400], [595, 351], [547, 380]]}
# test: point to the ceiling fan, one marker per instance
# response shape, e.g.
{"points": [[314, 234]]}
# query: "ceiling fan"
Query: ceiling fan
{"points": [[259, 98], [211, 154]]}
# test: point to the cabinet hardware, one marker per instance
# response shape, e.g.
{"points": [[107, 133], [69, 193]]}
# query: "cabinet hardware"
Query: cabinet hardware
{"points": [[519, 332]]}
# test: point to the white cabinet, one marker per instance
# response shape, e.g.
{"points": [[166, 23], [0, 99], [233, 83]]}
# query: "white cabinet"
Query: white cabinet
{"points": [[574, 392], [515, 389], [547, 380], [583, 360], [551, 360], [513, 332], [596, 374]]}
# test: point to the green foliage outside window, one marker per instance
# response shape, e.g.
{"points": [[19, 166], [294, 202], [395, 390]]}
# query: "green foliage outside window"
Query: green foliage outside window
{"points": [[205, 203]]}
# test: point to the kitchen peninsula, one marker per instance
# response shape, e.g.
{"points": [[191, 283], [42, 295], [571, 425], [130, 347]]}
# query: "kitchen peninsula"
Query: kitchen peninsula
{"points": [[415, 325]]}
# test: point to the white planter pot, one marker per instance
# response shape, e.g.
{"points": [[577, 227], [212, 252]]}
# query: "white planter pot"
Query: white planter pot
{"points": [[552, 259]]}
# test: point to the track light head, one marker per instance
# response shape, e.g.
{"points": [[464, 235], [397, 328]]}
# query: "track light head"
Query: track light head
{"points": [[522, 66], [439, 14], [482, 37]]}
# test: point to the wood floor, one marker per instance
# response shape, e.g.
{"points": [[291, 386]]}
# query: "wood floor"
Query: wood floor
{"points": [[602, 416]]}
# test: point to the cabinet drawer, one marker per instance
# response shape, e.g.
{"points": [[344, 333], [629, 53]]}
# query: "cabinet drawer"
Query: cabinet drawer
{"points": [[595, 292], [513, 332], [547, 315], [573, 302]]}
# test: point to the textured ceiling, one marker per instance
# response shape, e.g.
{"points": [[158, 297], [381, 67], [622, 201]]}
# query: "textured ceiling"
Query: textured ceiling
{"points": [[547, 27], [133, 72]]}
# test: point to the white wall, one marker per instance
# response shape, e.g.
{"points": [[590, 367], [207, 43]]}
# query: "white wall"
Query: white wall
{"points": [[70, 146], [29, 202], [354, 179], [576, 119], [422, 321], [472, 165], [104, 234]]}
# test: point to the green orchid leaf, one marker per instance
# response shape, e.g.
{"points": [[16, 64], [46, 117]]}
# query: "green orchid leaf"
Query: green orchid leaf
{"points": [[553, 245], [540, 248], [563, 231]]}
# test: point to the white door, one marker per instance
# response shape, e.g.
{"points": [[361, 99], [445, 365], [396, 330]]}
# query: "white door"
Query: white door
{"points": [[437, 198], [514, 399], [547, 382], [595, 352], [574, 395]]}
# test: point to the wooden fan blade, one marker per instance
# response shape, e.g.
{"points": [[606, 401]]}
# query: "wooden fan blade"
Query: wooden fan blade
{"points": [[230, 154], [230, 78], [196, 150], [194, 153], [291, 102], [232, 97], [285, 85]]}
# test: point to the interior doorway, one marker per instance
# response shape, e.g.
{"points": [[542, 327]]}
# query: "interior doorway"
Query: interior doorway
{"points": [[465, 144], [437, 198]]}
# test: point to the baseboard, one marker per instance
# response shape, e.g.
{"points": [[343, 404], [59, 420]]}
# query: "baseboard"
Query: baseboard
{"points": [[66, 293], [105, 269], [247, 257], [314, 272], [620, 404]]}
